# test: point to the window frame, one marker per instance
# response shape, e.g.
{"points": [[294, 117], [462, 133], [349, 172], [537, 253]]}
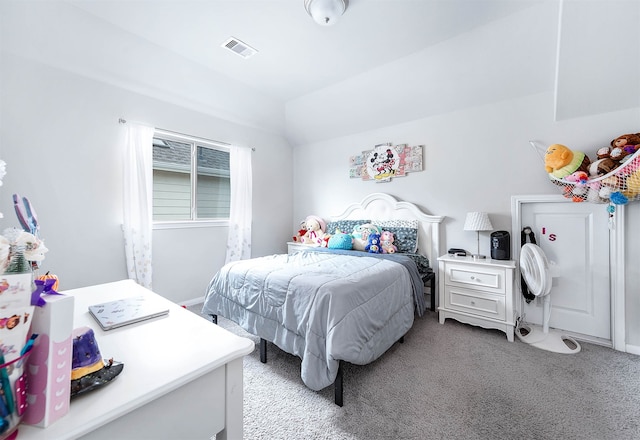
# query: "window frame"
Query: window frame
{"points": [[194, 142]]}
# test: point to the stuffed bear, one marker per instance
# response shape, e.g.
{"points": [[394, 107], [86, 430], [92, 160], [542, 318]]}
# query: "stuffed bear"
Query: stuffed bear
{"points": [[301, 232], [604, 164], [315, 231], [386, 242], [560, 161], [626, 140], [373, 244]]}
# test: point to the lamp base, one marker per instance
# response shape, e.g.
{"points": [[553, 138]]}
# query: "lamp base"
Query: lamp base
{"points": [[479, 257]]}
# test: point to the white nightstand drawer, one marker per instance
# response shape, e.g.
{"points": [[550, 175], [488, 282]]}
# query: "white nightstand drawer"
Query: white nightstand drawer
{"points": [[488, 305], [487, 279], [478, 292]]}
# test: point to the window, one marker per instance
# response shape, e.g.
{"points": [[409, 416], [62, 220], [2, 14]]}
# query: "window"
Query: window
{"points": [[190, 179]]}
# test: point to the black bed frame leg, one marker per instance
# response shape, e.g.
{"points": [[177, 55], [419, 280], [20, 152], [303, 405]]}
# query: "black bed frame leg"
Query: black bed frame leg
{"points": [[338, 386], [433, 293], [214, 318], [263, 351]]}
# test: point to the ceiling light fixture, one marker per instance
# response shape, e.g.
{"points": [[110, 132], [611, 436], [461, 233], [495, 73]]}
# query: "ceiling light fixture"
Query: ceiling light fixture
{"points": [[325, 12]]}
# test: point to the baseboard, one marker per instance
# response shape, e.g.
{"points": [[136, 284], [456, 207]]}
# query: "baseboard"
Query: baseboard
{"points": [[633, 349], [191, 302]]}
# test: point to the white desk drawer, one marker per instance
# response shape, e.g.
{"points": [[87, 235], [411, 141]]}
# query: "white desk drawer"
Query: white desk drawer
{"points": [[487, 279], [470, 301]]}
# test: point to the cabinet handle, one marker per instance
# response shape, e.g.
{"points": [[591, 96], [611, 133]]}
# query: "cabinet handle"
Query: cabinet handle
{"points": [[473, 303]]}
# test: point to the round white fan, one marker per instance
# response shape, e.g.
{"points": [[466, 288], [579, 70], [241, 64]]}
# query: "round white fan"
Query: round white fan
{"points": [[534, 268]]}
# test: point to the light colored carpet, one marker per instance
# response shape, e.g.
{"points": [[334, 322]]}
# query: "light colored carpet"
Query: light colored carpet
{"points": [[451, 381]]}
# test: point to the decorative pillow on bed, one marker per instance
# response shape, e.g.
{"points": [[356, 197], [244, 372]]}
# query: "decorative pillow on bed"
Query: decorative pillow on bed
{"points": [[421, 261], [345, 226], [405, 233]]}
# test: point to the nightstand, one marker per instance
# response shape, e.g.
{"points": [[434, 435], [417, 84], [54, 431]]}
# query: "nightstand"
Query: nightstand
{"points": [[477, 292]]}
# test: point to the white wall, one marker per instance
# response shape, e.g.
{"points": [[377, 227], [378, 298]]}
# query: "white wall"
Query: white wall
{"points": [[60, 34], [60, 137]]}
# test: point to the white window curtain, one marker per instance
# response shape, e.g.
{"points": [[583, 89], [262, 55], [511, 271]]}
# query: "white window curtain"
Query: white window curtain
{"points": [[239, 241], [138, 202]]}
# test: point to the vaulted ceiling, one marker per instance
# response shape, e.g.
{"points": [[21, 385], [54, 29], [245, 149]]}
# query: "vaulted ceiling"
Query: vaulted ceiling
{"points": [[383, 63], [295, 55]]}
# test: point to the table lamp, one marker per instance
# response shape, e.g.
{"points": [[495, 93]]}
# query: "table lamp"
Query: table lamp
{"points": [[478, 221]]}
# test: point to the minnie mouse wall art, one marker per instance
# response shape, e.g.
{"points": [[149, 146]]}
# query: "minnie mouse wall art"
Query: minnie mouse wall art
{"points": [[386, 161], [382, 163]]}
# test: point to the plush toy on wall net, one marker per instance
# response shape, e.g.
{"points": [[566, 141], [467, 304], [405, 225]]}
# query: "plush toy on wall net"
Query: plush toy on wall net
{"points": [[603, 164], [580, 190], [627, 140], [373, 244], [560, 161], [386, 242], [315, 230]]}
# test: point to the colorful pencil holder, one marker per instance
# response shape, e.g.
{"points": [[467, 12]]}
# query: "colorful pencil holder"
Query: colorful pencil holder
{"points": [[13, 396]]}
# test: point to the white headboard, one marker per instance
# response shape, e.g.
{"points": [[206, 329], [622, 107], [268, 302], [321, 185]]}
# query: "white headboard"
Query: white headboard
{"points": [[380, 206]]}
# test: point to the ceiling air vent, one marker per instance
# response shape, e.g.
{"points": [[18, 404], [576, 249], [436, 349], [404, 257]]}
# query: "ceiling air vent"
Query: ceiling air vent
{"points": [[238, 47]]}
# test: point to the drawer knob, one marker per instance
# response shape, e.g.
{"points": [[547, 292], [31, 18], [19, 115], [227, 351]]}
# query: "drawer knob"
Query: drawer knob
{"points": [[473, 303]]}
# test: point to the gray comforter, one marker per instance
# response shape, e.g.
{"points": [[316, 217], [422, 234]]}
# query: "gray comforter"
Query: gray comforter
{"points": [[322, 307]]}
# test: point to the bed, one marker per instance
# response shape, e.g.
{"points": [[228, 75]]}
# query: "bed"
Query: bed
{"points": [[329, 306]]}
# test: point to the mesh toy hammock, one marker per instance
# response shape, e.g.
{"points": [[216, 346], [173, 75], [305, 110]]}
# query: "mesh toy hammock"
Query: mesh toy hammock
{"points": [[617, 187]]}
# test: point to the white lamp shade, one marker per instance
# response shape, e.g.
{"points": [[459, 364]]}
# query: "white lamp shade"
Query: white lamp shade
{"points": [[477, 221], [325, 12]]}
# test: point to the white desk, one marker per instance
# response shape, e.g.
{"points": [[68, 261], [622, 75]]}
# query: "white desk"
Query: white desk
{"points": [[182, 377]]}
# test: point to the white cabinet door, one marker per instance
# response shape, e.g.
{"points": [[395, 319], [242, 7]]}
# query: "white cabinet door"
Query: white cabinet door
{"points": [[575, 238]]}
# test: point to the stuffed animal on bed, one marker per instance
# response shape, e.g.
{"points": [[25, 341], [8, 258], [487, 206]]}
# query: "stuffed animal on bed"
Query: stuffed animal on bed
{"points": [[560, 161], [361, 233], [373, 244], [340, 240], [301, 232], [315, 231], [386, 242]]}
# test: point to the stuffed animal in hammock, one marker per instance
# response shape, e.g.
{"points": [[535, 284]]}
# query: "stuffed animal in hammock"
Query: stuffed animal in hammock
{"points": [[626, 140], [560, 161]]}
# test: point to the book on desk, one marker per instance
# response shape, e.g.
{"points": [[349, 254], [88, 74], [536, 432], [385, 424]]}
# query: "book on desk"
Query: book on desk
{"points": [[125, 311]]}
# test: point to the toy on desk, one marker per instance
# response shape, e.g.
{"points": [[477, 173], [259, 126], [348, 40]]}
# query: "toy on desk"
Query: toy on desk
{"points": [[43, 287], [88, 370]]}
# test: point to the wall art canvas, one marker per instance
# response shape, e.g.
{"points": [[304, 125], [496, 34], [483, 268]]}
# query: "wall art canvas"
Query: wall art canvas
{"points": [[355, 166], [386, 161]]}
